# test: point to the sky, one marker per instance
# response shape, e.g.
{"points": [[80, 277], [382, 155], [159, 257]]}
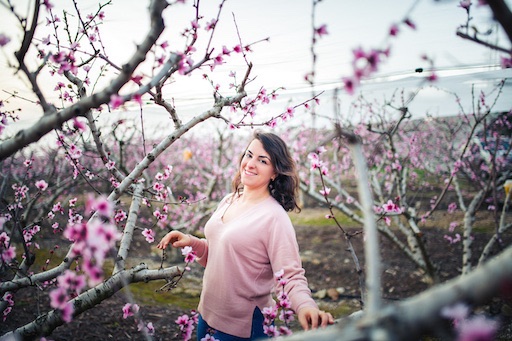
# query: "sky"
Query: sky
{"points": [[286, 57]]}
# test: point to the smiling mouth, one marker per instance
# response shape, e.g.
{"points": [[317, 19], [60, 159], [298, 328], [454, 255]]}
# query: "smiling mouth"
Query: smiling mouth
{"points": [[248, 173]]}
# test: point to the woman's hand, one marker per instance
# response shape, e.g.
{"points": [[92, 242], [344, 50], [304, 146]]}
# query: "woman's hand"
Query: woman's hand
{"points": [[176, 239], [313, 317]]}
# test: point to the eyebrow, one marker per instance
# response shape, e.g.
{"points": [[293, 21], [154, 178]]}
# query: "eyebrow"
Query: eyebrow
{"points": [[261, 156]]}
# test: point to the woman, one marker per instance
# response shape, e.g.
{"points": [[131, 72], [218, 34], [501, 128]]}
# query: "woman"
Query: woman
{"points": [[248, 239]]}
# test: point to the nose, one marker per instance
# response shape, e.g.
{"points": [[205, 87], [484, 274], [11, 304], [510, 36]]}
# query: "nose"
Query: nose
{"points": [[251, 163]]}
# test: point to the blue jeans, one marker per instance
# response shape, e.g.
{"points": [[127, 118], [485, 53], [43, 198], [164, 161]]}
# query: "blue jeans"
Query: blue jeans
{"points": [[256, 331]]}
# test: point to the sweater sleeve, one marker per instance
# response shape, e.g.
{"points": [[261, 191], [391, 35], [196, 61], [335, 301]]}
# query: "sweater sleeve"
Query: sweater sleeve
{"points": [[200, 246], [283, 251]]}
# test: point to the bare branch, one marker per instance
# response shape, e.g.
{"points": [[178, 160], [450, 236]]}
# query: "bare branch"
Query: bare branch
{"points": [[409, 319]]}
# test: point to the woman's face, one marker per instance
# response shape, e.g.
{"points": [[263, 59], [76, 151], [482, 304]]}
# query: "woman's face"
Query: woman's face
{"points": [[256, 169]]}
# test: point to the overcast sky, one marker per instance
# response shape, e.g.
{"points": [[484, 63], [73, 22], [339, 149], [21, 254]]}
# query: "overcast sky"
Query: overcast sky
{"points": [[286, 57]]}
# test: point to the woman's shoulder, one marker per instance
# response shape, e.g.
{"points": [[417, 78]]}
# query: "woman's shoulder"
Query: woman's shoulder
{"points": [[277, 209], [227, 198]]}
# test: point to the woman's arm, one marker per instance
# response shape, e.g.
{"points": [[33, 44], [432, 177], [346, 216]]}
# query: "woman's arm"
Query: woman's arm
{"points": [[180, 239]]}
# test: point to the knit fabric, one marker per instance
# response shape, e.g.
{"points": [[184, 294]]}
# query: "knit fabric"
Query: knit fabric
{"points": [[240, 258]]}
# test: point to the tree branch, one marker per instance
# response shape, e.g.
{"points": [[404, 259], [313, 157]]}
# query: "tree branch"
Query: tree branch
{"points": [[412, 318]]}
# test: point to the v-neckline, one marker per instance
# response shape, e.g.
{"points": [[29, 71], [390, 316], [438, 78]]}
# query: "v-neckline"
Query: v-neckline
{"points": [[236, 217]]}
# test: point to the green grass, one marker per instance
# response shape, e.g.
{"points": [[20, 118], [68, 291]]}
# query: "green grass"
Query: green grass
{"points": [[316, 217], [146, 293], [340, 310]]}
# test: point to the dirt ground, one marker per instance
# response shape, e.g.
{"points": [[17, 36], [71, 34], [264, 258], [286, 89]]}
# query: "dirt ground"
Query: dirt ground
{"points": [[329, 268]]}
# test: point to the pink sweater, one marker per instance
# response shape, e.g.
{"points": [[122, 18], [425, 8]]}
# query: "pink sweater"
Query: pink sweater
{"points": [[240, 259]]}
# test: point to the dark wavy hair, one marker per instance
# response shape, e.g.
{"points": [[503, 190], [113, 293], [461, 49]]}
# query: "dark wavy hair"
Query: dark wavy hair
{"points": [[285, 186]]}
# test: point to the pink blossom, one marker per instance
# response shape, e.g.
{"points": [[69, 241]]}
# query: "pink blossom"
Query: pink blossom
{"points": [[506, 63], [218, 60], [116, 101], [325, 191], [186, 325], [137, 79], [432, 77], [4, 40], [149, 234], [110, 165], [130, 310], [70, 281], [72, 202], [8, 298], [349, 84], [182, 65], [159, 215], [182, 320], [393, 30], [211, 25], [137, 98], [452, 240], [269, 313], [148, 328], [271, 331], [391, 207], [41, 185], [189, 254], [120, 216], [237, 48], [466, 4], [79, 124], [457, 312], [4, 239], [409, 23], [283, 330], [290, 111], [158, 187], [67, 312], [47, 4], [58, 208], [74, 152], [101, 204], [58, 297], [94, 272], [470, 328], [6, 312], [8, 254], [477, 328], [321, 31], [453, 225]]}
